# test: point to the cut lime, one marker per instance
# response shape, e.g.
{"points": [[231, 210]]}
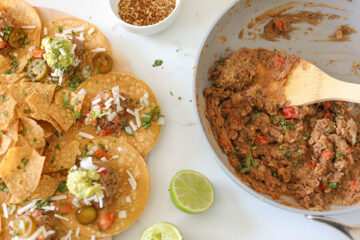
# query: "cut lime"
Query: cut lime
{"points": [[191, 192], [162, 231]]}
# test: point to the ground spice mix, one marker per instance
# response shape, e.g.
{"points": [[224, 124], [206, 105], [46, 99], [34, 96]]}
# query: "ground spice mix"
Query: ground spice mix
{"points": [[145, 12]]}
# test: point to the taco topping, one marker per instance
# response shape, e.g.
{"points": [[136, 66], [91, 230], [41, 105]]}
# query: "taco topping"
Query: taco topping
{"points": [[102, 62], [94, 181], [16, 38], [86, 215], [114, 112]]}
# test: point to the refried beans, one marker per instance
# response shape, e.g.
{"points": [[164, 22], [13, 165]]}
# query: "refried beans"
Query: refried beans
{"points": [[308, 153]]}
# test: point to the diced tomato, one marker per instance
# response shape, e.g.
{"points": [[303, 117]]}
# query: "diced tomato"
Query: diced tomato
{"points": [[106, 132], [326, 104], [1, 8], [103, 172], [3, 44], [80, 122], [101, 153], [311, 165], [326, 154], [279, 24], [262, 139], [38, 53], [106, 220], [289, 112], [62, 207], [278, 62], [321, 186], [327, 114], [352, 185]]}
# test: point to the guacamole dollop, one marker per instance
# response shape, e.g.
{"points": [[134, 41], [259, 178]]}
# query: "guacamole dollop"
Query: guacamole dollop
{"points": [[59, 53], [81, 183]]}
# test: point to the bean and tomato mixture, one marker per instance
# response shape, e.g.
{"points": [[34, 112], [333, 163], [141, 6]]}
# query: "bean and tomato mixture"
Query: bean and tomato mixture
{"points": [[309, 153]]}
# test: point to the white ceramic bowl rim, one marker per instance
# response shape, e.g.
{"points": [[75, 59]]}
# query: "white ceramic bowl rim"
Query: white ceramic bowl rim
{"points": [[177, 2]]}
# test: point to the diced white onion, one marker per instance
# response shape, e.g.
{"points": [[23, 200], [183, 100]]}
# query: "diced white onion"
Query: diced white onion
{"points": [[60, 197], [85, 135], [96, 50], [5, 210], [15, 54], [93, 149], [122, 214], [137, 118], [119, 149], [28, 27], [161, 120], [82, 92], [128, 199], [115, 156], [111, 116], [91, 31], [93, 237], [61, 217], [146, 95], [96, 101], [101, 169], [67, 236], [121, 97], [77, 232], [131, 112], [45, 31], [103, 159], [128, 130], [132, 180], [81, 37], [68, 31], [132, 125], [87, 164], [28, 206], [101, 204]]}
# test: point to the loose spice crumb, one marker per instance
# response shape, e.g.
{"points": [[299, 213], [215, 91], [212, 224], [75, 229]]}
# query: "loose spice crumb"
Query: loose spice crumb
{"points": [[145, 12]]}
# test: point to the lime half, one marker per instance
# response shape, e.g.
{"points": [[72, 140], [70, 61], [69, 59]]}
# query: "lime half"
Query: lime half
{"points": [[191, 192], [162, 231]]}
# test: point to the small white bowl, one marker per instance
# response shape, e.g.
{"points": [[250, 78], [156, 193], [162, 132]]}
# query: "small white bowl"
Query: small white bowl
{"points": [[149, 29]]}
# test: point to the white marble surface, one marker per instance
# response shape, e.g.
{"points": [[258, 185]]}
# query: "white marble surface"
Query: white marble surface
{"points": [[235, 214]]}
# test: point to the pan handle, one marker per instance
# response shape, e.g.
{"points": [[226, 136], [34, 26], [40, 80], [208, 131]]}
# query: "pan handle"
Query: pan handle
{"points": [[353, 232]]}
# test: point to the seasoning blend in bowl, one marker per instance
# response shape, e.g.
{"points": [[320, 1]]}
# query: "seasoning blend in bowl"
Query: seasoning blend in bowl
{"points": [[145, 16]]}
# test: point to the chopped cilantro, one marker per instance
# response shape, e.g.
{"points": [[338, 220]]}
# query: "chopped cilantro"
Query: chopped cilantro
{"points": [[333, 185], [4, 188], [62, 187], [171, 93], [59, 29], [5, 113], [24, 130], [157, 63], [3, 98], [27, 111]]}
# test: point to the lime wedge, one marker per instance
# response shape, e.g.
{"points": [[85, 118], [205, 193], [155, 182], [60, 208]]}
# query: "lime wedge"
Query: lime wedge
{"points": [[191, 192], [162, 231]]}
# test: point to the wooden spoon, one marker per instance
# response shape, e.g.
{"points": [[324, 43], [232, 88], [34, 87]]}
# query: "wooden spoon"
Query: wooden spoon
{"points": [[307, 84]]}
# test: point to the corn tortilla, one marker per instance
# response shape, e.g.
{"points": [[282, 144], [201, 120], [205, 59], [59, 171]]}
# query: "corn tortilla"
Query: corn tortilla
{"points": [[129, 160]]}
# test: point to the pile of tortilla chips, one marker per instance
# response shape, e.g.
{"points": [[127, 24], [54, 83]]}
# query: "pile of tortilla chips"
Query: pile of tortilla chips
{"points": [[39, 141]]}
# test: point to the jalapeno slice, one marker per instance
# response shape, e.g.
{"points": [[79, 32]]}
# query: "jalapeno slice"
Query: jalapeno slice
{"points": [[16, 38], [86, 215], [24, 226], [103, 62], [37, 69]]}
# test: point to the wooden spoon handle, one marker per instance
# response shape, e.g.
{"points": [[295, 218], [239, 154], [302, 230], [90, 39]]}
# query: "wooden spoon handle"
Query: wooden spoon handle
{"points": [[307, 84]]}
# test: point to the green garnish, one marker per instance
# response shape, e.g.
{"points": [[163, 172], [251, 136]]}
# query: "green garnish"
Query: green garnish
{"points": [[157, 63]]}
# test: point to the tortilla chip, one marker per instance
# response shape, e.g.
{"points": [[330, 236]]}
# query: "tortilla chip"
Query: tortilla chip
{"points": [[46, 187], [96, 40], [21, 170], [7, 107], [40, 101], [60, 154], [66, 105], [48, 128], [144, 139], [9, 137], [32, 132], [24, 15], [129, 160]]}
